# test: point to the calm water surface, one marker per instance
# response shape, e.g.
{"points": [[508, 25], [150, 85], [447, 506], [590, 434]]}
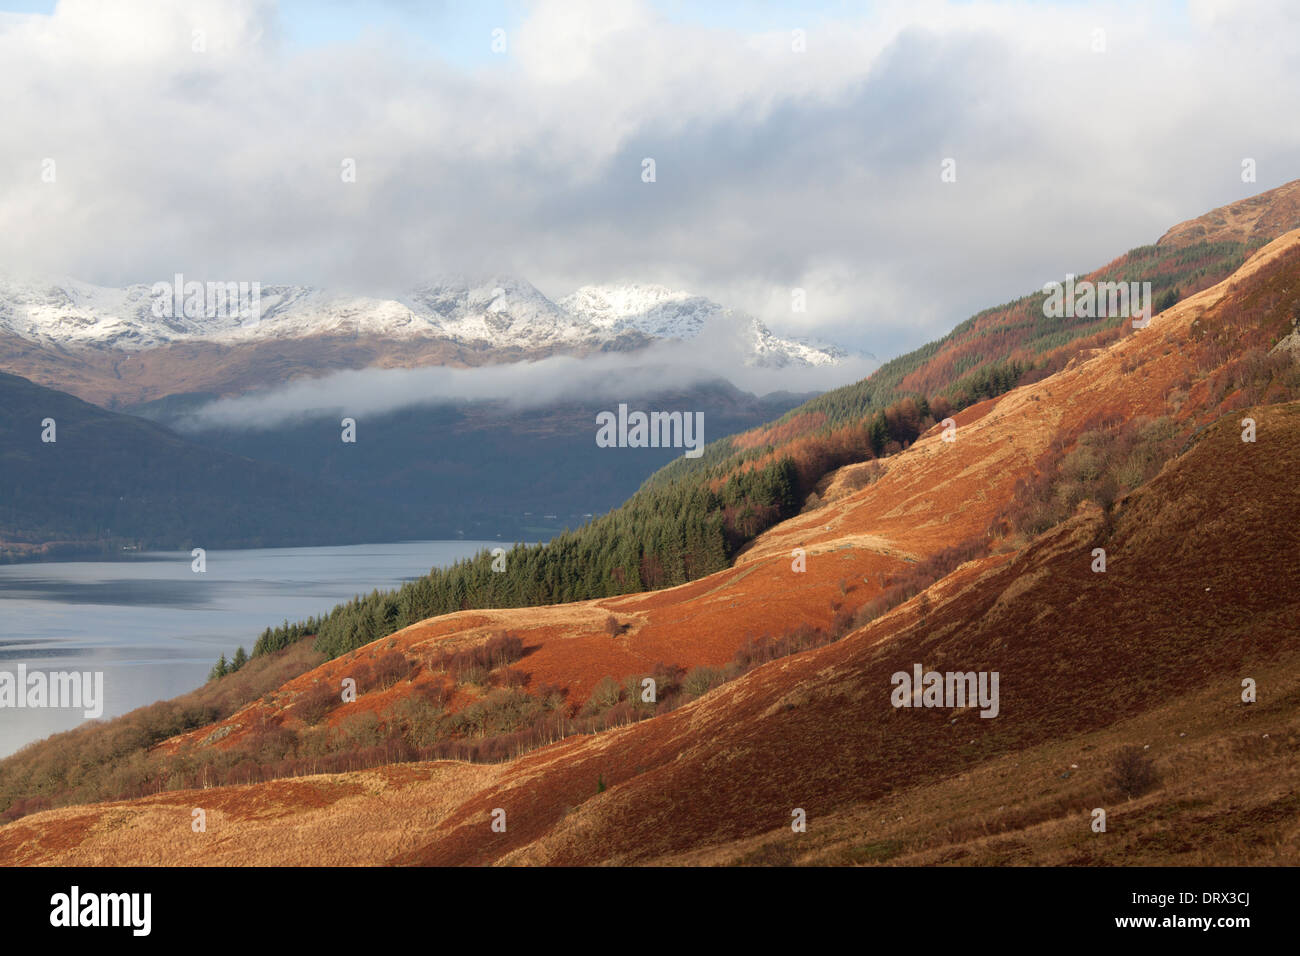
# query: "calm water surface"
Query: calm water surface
{"points": [[155, 627]]}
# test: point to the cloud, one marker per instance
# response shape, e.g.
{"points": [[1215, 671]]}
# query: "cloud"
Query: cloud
{"points": [[775, 169], [612, 377]]}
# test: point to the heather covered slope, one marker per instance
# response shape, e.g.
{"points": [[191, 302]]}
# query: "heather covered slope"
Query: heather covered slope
{"points": [[1193, 601], [1015, 343], [1257, 219], [1191, 604], [1155, 648]]}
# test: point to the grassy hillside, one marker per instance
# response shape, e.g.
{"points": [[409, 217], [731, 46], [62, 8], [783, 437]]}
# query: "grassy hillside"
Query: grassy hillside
{"points": [[1135, 448], [693, 516]]}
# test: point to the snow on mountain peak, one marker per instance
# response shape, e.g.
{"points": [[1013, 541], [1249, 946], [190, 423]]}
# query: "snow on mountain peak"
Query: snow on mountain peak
{"points": [[498, 311], [649, 309], [662, 313]]}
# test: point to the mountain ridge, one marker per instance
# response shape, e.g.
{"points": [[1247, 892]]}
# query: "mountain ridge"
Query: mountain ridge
{"points": [[494, 311]]}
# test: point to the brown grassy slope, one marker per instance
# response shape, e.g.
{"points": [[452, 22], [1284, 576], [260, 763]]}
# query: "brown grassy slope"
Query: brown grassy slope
{"points": [[1088, 662], [1227, 795], [938, 493], [73, 763], [1265, 216], [344, 819], [1192, 602], [1192, 256], [930, 497]]}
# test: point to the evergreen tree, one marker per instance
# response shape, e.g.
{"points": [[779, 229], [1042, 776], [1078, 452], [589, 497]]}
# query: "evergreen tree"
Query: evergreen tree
{"points": [[220, 670]]}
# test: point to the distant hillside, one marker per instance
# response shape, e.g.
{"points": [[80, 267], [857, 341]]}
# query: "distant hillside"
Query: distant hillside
{"points": [[481, 469], [110, 481]]}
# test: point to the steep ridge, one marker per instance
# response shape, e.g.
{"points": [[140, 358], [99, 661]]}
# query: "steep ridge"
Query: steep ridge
{"points": [[1015, 343], [1045, 590], [1079, 652], [1257, 218]]}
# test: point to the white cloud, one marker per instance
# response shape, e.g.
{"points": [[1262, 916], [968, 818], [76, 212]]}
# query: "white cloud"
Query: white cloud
{"points": [[775, 169], [614, 377]]}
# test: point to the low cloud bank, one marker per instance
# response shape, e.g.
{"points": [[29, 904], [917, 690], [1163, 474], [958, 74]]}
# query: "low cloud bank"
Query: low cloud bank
{"points": [[557, 379]]}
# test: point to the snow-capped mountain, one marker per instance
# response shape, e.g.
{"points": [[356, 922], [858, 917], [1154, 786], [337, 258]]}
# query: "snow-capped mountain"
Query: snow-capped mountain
{"points": [[652, 310], [497, 312], [661, 313]]}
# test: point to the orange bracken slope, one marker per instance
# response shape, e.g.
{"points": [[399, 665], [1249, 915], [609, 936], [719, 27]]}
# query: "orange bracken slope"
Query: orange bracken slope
{"points": [[1190, 604]]}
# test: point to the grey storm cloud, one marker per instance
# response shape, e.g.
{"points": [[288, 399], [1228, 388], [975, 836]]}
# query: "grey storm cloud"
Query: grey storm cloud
{"points": [[775, 169]]}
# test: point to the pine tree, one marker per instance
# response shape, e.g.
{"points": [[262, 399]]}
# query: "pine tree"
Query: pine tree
{"points": [[879, 433], [221, 670]]}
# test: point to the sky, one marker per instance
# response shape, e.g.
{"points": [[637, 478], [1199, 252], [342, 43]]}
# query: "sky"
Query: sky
{"points": [[212, 138]]}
